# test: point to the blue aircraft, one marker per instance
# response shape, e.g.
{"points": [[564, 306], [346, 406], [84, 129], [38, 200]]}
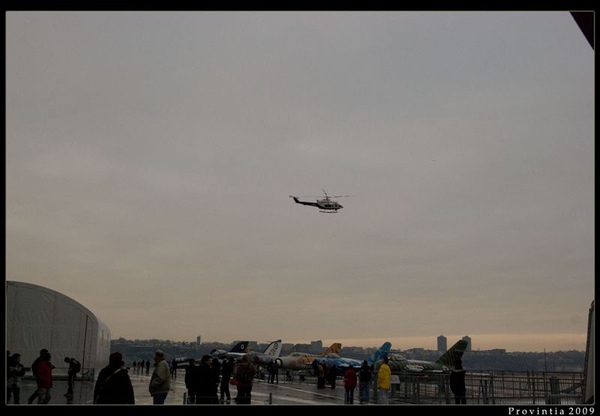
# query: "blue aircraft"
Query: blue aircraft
{"points": [[342, 363]]}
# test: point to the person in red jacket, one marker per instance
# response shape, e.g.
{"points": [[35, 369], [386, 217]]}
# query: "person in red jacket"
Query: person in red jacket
{"points": [[350, 380], [44, 379], [244, 374]]}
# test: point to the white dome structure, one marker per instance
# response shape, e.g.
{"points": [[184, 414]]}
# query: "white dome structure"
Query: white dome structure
{"points": [[38, 317]]}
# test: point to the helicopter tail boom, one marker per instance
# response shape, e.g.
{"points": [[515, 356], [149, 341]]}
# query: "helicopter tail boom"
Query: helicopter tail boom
{"points": [[313, 204]]}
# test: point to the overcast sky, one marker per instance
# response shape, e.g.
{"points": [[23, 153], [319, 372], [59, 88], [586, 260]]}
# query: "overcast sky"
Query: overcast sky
{"points": [[150, 157]]}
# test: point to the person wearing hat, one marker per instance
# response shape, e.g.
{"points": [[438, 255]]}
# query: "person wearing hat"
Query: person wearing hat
{"points": [[160, 381]]}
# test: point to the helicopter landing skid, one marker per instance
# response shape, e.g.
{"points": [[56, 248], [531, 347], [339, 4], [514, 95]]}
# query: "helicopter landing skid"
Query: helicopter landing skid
{"points": [[328, 212]]}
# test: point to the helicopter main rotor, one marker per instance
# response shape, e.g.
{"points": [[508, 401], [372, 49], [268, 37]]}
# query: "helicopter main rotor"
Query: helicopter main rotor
{"points": [[327, 196]]}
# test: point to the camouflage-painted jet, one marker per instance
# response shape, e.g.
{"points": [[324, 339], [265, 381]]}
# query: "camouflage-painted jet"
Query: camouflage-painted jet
{"points": [[303, 360], [400, 365]]}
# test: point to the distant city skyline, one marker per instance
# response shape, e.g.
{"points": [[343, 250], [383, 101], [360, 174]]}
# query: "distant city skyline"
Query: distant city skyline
{"points": [[510, 343]]}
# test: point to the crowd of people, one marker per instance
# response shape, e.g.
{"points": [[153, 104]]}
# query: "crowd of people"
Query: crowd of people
{"points": [[353, 378], [207, 381], [42, 371], [113, 384]]}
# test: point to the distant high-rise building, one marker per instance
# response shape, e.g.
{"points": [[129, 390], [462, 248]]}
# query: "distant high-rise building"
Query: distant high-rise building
{"points": [[198, 341], [442, 343], [468, 339], [316, 347]]}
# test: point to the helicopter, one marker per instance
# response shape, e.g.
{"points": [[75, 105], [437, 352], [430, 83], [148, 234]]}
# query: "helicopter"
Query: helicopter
{"points": [[325, 205]]}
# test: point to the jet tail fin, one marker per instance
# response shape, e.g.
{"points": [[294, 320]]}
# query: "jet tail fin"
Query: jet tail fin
{"points": [[380, 353], [454, 353], [335, 348], [273, 349], [241, 346]]}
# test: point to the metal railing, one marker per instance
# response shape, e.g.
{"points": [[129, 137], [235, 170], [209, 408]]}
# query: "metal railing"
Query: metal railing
{"points": [[491, 387]]}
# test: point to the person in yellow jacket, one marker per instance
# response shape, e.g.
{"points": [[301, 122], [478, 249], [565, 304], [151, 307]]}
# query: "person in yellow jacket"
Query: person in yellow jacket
{"points": [[384, 376]]}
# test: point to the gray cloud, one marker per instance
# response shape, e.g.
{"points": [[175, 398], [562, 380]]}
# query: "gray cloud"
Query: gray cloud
{"points": [[150, 156]]}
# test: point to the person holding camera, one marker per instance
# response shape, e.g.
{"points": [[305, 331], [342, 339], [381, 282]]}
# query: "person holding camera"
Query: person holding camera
{"points": [[15, 371]]}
